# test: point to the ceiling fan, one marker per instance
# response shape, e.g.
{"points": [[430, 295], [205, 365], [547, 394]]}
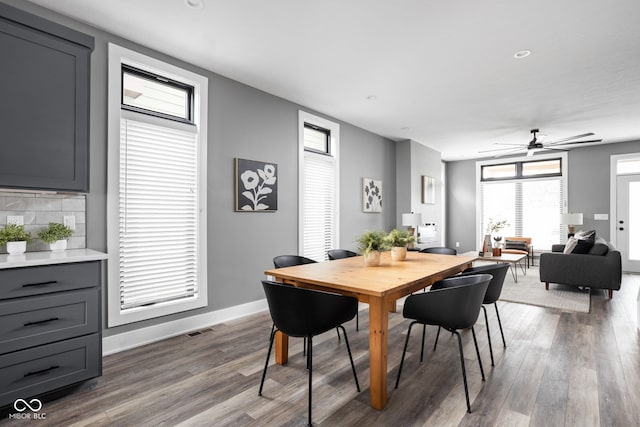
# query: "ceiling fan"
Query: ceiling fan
{"points": [[535, 145]]}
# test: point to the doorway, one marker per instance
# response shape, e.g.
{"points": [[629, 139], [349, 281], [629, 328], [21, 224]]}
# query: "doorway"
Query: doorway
{"points": [[628, 221], [625, 209]]}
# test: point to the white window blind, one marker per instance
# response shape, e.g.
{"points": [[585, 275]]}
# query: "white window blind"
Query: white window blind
{"points": [[532, 208], [319, 205], [158, 214]]}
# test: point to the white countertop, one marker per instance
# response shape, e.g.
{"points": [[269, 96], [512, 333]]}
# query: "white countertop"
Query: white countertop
{"points": [[30, 259]]}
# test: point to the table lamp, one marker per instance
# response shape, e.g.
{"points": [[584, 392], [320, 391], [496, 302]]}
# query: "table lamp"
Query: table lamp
{"points": [[571, 220]]}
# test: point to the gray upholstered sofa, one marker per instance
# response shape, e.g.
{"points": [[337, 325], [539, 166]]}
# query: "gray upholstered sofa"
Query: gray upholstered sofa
{"points": [[600, 268]]}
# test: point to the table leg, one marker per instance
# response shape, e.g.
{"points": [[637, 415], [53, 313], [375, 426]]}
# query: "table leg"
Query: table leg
{"points": [[378, 345], [282, 348]]}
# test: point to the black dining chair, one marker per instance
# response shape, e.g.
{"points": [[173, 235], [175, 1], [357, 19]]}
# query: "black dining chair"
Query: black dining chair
{"points": [[498, 271], [282, 261], [439, 250], [305, 313], [454, 306], [334, 254]]}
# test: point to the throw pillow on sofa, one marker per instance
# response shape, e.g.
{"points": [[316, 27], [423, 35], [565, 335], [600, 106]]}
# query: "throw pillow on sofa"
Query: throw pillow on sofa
{"points": [[515, 244], [570, 246]]}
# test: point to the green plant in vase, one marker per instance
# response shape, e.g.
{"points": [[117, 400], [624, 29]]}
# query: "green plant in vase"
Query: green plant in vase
{"points": [[56, 235], [398, 240], [370, 244], [15, 237]]}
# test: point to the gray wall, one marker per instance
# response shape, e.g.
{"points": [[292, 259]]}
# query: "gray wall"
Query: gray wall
{"points": [[248, 123], [589, 193], [413, 160], [461, 205]]}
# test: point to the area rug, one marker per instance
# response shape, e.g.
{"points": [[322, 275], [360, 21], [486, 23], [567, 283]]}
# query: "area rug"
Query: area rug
{"points": [[530, 290]]}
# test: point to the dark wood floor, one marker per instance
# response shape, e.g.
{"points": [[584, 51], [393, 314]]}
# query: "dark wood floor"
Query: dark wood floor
{"points": [[559, 369]]}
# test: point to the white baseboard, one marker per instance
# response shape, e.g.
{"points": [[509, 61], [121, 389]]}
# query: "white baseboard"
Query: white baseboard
{"points": [[127, 340]]}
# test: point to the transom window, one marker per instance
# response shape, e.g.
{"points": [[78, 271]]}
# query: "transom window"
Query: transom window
{"points": [[522, 169], [153, 94], [317, 139]]}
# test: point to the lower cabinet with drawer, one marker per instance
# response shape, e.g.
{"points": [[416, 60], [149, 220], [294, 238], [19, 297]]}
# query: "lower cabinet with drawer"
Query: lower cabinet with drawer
{"points": [[50, 333]]}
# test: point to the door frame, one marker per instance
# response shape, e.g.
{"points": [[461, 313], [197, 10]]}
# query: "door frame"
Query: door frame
{"points": [[613, 193]]}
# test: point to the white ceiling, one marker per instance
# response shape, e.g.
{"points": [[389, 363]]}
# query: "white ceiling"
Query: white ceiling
{"points": [[443, 72]]}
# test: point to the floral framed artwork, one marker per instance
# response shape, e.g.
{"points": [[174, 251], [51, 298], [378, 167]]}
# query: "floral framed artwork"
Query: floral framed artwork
{"points": [[371, 195], [256, 186]]}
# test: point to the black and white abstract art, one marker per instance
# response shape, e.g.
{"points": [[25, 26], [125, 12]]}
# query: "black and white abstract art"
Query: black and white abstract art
{"points": [[256, 186], [371, 195]]}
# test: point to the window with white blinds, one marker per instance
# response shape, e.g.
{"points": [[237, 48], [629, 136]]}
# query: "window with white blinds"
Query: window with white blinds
{"points": [[318, 186], [531, 206], [158, 214], [156, 218]]}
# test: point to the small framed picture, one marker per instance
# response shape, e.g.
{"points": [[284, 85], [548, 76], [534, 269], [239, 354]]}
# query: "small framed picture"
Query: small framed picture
{"points": [[428, 190], [371, 195], [256, 186]]}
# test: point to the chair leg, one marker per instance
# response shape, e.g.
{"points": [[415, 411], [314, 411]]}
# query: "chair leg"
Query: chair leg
{"points": [[436, 341], [353, 366], [310, 365], [486, 321], [424, 330], [464, 372], [338, 332], [504, 343], [475, 341], [404, 351], [266, 363]]}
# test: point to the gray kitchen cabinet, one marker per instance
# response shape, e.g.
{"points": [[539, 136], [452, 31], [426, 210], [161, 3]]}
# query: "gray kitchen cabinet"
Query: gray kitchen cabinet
{"points": [[44, 107], [50, 328]]}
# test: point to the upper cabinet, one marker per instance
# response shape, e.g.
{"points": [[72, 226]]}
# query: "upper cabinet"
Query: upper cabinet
{"points": [[44, 104]]}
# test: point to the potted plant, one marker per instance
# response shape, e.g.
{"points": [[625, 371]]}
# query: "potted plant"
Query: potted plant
{"points": [[15, 237], [494, 226], [398, 240], [371, 243], [56, 236]]}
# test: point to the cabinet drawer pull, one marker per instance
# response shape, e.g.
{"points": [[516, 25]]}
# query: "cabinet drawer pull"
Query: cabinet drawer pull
{"points": [[42, 371], [48, 282], [41, 321]]}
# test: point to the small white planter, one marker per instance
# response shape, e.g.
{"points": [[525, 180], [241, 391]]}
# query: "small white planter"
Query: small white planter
{"points": [[399, 253], [58, 245], [16, 248], [372, 259]]}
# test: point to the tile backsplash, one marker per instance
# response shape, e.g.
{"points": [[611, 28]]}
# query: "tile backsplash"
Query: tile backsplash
{"points": [[39, 209]]}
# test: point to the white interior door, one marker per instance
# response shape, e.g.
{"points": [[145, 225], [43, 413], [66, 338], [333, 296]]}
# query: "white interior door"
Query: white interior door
{"points": [[628, 221]]}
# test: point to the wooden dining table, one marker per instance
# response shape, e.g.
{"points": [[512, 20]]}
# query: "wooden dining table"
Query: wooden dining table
{"points": [[379, 287]]}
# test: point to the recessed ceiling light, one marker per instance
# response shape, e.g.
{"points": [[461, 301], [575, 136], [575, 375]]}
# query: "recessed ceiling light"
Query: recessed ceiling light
{"points": [[195, 4], [372, 97], [522, 54]]}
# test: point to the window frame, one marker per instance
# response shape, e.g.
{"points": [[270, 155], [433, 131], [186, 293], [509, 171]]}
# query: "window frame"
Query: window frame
{"points": [[187, 88], [333, 151], [563, 176], [518, 165], [118, 55]]}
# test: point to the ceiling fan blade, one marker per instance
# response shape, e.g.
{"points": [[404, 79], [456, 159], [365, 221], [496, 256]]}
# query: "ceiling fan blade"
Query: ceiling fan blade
{"points": [[503, 149], [574, 142], [507, 143], [508, 153], [569, 138], [554, 149]]}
